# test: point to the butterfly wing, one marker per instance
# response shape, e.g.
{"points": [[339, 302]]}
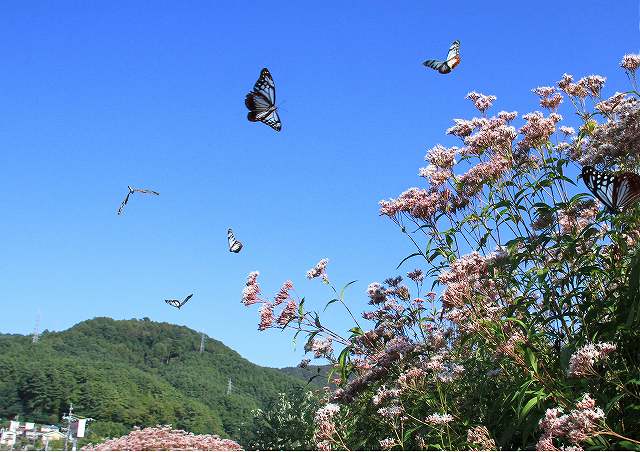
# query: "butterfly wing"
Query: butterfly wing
{"points": [[453, 57], [234, 245], [601, 185], [174, 303], [440, 66], [143, 190], [185, 300], [261, 102], [124, 203], [626, 190]]}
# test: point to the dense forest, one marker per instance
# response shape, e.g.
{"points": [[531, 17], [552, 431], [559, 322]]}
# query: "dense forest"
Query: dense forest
{"points": [[136, 372]]}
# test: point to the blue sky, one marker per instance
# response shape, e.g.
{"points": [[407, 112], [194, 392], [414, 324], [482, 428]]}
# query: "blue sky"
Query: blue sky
{"points": [[95, 96]]}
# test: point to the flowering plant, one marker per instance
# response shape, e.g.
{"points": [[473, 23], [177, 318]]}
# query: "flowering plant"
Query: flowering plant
{"points": [[528, 307], [163, 437]]}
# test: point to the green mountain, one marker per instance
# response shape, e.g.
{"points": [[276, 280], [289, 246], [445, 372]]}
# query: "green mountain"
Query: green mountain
{"points": [[135, 372]]}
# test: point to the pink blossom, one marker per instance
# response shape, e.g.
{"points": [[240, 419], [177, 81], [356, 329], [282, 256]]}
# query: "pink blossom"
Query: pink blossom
{"points": [[383, 394], [507, 116], [319, 269], [436, 176], [582, 361], [630, 62], [288, 313], [463, 128], [325, 426], [266, 316], [476, 177], [576, 427], [567, 130], [251, 291], [481, 101], [439, 419], [577, 218], [283, 293], [537, 130], [322, 348], [480, 436], [391, 412], [165, 438], [416, 275], [411, 378], [388, 443], [593, 84], [441, 157]]}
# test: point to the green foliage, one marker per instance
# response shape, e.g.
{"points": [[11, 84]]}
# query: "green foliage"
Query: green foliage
{"points": [[133, 372], [285, 424]]}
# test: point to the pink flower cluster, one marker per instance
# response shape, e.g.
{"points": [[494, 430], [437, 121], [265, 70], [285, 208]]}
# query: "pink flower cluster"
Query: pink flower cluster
{"points": [[251, 292], [582, 361], [416, 275], [251, 295], [411, 379], [388, 443], [479, 436], [549, 98], [575, 427], [462, 279], [438, 419], [383, 394], [630, 62], [538, 129], [325, 426], [481, 101], [165, 438], [322, 347], [320, 269], [416, 202], [578, 217], [617, 141]]}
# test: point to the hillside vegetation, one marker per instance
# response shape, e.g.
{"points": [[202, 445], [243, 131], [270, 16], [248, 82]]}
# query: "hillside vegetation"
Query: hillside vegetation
{"points": [[135, 372]]}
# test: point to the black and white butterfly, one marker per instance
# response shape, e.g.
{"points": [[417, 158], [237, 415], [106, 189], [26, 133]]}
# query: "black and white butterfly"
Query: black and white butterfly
{"points": [[453, 59], [261, 102], [134, 190], [177, 303], [616, 191], [234, 245]]}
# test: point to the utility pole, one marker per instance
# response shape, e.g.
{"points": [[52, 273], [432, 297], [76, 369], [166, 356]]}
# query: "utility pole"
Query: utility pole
{"points": [[36, 331], [68, 418], [71, 418], [202, 343]]}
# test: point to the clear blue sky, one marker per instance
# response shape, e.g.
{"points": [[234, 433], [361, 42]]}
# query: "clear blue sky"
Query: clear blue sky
{"points": [[95, 96]]}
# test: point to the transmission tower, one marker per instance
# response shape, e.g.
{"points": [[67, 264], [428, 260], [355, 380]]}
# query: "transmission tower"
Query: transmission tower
{"points": [[36, 330], [229, 387], [202, 344]]}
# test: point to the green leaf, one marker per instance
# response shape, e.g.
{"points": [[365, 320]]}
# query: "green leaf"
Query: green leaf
{"points": [[345, 287], [408, 257]]}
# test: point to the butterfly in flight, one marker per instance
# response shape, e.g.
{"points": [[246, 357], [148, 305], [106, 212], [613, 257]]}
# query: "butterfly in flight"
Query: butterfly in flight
{"points": [[134, 190], [177, 303], [261, 102], [234, 245], [453, 59], [616, 191]]}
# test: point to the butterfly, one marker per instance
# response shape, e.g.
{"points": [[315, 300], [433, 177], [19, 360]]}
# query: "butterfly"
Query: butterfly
{"points": [[616, 191], [134, 190], [453, 59], [234, 245], [261, 102], [177, 303]]}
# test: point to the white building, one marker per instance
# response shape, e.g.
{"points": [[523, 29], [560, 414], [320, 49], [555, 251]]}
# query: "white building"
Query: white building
{"points": [[7, 437]]}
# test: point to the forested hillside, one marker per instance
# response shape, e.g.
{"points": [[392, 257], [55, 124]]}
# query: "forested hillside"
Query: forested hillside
{"points": [[135, 372]]}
